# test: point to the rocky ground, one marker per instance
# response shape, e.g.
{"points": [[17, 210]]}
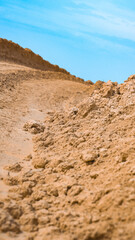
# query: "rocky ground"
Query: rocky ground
{"points": [[67, 157]]}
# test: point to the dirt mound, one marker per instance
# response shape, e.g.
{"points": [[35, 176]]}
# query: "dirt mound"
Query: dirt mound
{"points": [[79, 182], [68, 150]]}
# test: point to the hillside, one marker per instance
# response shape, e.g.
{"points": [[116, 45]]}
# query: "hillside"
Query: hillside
{"points": [[67, 155], [13, 53]]}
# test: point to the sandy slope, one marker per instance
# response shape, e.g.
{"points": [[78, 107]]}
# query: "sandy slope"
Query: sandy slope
{"points": [[67, 153]]}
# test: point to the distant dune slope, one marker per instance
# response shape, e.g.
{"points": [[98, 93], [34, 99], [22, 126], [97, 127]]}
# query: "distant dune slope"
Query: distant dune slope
{"points": [[12, 52]]}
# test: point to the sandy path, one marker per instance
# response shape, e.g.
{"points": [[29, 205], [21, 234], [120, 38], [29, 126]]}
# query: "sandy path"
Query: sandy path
{"points": [[29, 100]]}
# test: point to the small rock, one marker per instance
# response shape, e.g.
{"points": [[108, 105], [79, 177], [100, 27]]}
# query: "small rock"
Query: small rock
{"points": [[39, 162], [13, 168], [132, 171], [34, 127], [124, 157], [89, 157], [28, 158], [74, 111], [55, 193], [11, 181], [75, 190], [94, 175]]}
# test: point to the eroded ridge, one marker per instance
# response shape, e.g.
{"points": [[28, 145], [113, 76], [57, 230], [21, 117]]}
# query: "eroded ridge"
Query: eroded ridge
{"points": [[14, 53]]}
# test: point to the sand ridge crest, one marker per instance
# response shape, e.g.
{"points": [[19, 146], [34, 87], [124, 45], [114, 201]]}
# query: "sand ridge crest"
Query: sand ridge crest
{"points": [[14, 53]]}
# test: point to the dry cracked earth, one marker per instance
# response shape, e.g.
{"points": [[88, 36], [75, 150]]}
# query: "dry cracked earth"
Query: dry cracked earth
{"points": [[67, 156]]}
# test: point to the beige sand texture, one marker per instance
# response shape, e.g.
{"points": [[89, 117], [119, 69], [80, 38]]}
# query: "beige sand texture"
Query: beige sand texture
{"points": [[67, 152]]}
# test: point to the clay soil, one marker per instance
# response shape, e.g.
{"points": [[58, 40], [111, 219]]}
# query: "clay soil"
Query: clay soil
{"points": [[67, 152]]}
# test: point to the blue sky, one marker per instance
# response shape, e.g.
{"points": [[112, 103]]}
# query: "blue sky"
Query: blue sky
{"points": [[93, 39]]}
